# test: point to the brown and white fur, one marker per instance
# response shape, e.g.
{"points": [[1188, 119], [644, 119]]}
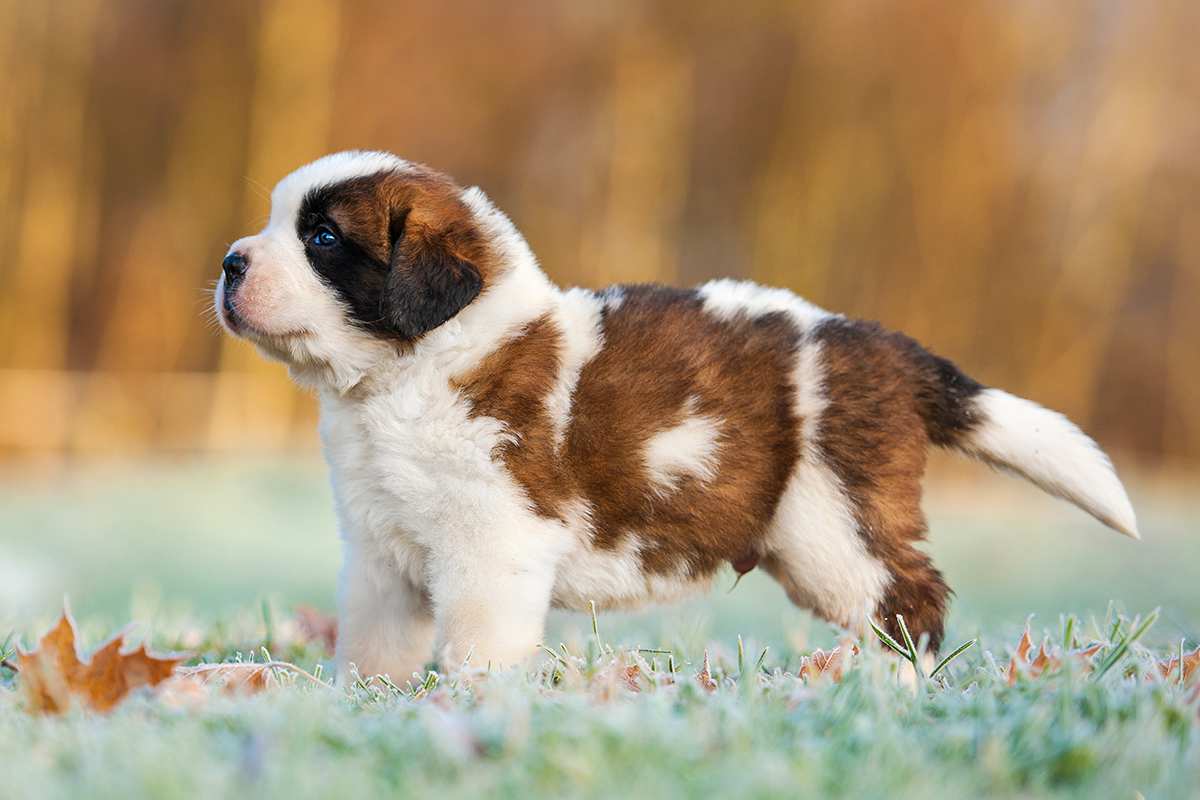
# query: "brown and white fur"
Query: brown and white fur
{"points": [[499, 445]]}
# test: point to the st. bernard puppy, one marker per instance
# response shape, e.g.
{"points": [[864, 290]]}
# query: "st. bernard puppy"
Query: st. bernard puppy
{"points": [[499, 445]]}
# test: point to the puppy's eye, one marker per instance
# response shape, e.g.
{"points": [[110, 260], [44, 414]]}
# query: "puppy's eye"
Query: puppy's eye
{"points": [[323, 237]]}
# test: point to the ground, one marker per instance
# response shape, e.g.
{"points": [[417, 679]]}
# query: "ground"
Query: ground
{"points": [[211, 559]]}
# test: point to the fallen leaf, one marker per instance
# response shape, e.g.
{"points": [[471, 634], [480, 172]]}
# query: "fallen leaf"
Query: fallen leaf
{"points": [[1043, 661], [631, 675], [242, 677], [1049, 659], [237, 678], [829, 664], [1020, 657], [53, 675], [1170, 669], [317, 626], [705, 678]]}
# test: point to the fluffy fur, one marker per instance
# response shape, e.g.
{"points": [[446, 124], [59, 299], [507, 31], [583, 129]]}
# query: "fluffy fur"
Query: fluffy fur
{"points": [[498, 445]]}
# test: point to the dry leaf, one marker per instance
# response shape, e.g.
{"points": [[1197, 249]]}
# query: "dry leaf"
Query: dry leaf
{"points": [[831, 664], [242, 677], [631, 674], [317, 626], [53, 675], [705, 678], [1049, 658], [1170, 669], [1021, 656], [237, 678], [1024, 646]]}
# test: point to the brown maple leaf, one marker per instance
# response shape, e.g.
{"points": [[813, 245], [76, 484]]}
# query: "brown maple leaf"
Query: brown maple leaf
{"points": [[53, 675]]}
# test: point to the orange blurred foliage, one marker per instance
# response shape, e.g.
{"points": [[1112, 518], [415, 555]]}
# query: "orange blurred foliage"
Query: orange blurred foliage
{"points": [[1015, 184]]}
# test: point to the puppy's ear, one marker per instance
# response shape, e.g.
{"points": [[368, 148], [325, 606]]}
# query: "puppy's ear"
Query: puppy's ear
{"points": [[429, 281]]}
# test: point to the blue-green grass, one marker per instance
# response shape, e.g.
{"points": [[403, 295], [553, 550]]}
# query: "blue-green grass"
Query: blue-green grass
{"points": [[579, 723], [211, 557]]}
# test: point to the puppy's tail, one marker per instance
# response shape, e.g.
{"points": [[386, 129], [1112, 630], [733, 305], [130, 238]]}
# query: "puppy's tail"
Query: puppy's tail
{"points": [[1021, 437]]}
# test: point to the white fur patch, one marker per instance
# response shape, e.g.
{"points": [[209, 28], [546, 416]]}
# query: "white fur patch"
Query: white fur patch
{"points": [[615, 579], [814, 535], [578, 319], [727, 298], [386, 625], [289, 193], [1048, 449], [687, 449]]}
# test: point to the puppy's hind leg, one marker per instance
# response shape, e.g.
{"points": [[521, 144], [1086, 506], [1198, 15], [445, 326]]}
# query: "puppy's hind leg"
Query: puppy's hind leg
{"points": [[815, 552], [917, 592], [818, 553]]}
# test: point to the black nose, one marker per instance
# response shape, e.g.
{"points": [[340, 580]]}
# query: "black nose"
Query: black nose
{"points": [[235, 265]]}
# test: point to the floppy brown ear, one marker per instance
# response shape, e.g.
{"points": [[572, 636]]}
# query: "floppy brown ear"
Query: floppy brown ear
{"points": [[428, 283]]}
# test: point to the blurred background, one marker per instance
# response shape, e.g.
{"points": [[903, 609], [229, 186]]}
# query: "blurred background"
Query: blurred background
{"points": [[1016, 184]]}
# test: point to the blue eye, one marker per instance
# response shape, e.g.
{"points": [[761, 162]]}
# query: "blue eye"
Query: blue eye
{"points": [[323, 238]]}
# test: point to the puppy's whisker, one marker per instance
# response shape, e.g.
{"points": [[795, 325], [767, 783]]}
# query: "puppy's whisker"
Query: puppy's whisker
{"points": [[263, 192]]}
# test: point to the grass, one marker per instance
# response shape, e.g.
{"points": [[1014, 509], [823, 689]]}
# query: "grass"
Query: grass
{"points": [[597, 720], [712, 698]]}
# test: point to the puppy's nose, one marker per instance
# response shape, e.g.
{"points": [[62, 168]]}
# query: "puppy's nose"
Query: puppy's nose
{"points": [[235, 265]]}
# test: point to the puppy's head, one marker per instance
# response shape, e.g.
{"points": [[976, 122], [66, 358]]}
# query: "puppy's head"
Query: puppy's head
{"points": [[363, 253]]}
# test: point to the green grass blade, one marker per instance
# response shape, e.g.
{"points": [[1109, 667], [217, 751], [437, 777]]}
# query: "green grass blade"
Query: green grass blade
{"points": [[268, 622], [1069, 633], [886, 639], [1119, 651], [596, 629], [913, 655], [958, 651]]}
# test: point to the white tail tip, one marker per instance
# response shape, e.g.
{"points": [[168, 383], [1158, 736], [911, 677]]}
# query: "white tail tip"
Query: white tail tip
{"points": [[1048, 449]]}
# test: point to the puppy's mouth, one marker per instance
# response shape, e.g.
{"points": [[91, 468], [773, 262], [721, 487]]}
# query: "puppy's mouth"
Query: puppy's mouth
{"points": [[275, 341]]}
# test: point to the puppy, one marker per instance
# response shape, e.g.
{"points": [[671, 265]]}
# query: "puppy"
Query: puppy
{"points": [[499, 445]]}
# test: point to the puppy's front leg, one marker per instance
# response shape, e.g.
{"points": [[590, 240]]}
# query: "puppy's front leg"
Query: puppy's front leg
{"points": [[490, 606], [385, 622]]}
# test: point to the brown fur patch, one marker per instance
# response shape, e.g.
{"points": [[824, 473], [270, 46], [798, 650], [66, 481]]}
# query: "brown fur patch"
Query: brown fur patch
{"points": [[511, 385], [660, 349], [874, 435], [662, 357]]}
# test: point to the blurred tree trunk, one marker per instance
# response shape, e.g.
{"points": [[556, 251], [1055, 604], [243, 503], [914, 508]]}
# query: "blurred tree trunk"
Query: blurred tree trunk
{"points": [[648, 111], [291, 113]]}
